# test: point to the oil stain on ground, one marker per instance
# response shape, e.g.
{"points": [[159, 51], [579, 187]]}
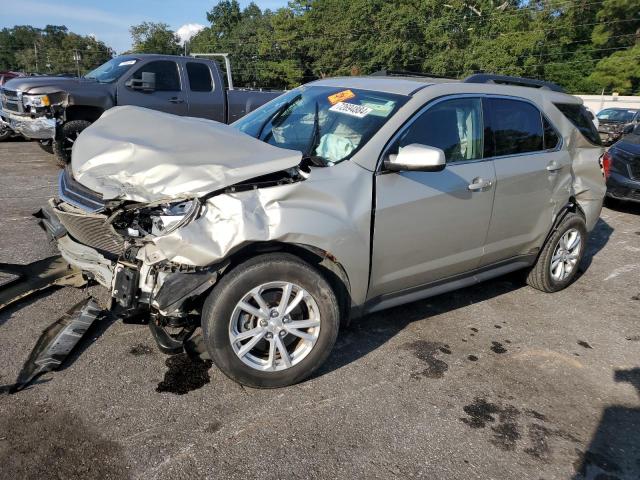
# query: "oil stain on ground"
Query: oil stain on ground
{"points": [[140, 349], [184, 375], [42, 441], [426, 352], [507, 428], [497, 347]]}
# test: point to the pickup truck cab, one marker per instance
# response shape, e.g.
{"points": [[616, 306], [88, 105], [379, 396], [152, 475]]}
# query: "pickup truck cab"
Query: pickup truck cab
{"points": [[55, 110]]}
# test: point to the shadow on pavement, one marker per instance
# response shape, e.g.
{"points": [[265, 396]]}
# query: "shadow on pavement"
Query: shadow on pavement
{"points": [[614, 450]]}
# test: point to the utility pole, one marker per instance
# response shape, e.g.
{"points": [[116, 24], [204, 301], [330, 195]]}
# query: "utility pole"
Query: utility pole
{"points": [[35, 52], [77, 58]]}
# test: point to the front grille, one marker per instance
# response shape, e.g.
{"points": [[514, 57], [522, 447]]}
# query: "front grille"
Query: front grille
{"points": [[77, 194], [11, 101], [90, 229]]}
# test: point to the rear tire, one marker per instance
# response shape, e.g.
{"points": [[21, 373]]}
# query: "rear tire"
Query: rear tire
{"points": [[306, 347], [66, 137], [557, 265]]}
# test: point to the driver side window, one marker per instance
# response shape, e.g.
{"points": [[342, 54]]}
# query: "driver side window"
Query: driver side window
{"points": [[167, 77], [454, 126]]}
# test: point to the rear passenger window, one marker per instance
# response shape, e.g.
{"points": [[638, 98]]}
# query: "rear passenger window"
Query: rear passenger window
{"points": [[516, 127], [167, 77], [579, 117], [199, 77], [454, 126], [551, 137]]}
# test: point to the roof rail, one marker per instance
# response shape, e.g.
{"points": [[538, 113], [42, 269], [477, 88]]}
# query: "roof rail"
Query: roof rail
{"points": [[404, 73], [516, 81]]}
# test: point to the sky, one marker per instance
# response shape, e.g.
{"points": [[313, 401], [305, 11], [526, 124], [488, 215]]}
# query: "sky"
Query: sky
{"points": [[109, 20]]}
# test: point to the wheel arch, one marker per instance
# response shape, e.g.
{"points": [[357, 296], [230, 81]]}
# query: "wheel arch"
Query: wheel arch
{"points": [[325, 262], [83, 112]]}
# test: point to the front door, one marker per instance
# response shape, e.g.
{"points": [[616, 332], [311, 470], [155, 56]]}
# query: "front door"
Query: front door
{"points": [[169, 94], [433, 225]]}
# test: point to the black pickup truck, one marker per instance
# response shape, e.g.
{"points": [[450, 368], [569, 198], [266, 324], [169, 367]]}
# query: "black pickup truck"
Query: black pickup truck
{"points": [[54, 110]]}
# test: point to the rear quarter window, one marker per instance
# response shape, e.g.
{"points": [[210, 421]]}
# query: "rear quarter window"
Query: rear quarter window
{"points": [[579, 117]]}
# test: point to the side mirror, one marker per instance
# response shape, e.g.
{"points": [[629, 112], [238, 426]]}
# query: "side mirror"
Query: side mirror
{"points": [[628, 129], [147, 82], [422, 158]]}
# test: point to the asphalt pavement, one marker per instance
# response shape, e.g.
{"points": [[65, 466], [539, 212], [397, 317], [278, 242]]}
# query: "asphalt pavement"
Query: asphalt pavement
{"points": [[496, 381]]}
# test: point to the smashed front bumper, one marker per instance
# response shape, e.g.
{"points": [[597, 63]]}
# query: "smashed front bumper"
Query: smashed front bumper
{"points": [[137, 275], [37, 128]]}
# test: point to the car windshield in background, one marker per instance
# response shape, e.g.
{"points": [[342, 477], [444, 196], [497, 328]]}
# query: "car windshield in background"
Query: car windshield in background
{"points": [[112, 70], [616, 115], [324, 123]]}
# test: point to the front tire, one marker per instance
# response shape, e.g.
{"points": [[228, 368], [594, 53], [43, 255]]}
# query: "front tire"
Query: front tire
{"points": [[271, 321], [67, 136], [46, 145], [5, 134], [557, 265]]}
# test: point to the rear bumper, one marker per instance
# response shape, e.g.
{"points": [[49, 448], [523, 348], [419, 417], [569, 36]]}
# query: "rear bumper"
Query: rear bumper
{"points": [[38, 128], [623, 188]]}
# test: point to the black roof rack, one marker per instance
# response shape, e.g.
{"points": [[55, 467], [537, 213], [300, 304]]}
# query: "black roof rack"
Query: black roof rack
{"points": [[404, 73], [516, 81]]}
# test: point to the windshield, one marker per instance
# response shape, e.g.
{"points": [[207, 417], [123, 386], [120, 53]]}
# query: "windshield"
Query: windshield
{"points": [[327, 123], [112, 70], [616, 115]]}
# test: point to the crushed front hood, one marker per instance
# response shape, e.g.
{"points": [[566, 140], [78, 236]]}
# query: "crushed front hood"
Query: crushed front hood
{"points": [[133, 153]]}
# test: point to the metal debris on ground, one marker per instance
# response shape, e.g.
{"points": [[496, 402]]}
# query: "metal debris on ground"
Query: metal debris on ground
{"points": [[37, 276], [57, 341]]}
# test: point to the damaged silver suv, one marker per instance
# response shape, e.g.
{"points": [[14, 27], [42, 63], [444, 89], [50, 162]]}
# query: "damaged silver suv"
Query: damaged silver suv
{"points": [[342, 197]]}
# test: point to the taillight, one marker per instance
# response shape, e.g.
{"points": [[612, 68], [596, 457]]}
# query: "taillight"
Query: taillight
{"points": [[606, 164]]}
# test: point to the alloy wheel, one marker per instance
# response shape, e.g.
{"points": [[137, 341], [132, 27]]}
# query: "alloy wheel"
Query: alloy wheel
{"points": [[274, 326], [566, 255]]}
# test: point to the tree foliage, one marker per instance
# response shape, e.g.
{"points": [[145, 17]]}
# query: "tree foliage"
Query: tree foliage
{"points": [[581, 44], [149, 37], [52, 49]]}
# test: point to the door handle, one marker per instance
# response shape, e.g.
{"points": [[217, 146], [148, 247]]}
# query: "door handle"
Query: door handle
{"points": [[176, 100], [553, 167], [480, 184]]}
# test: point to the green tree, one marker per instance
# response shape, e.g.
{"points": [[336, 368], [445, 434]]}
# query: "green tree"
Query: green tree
{"points": [[149, 37], [619, 72]]}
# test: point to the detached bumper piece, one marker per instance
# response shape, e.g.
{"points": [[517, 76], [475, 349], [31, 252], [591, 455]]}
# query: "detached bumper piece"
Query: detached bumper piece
{"points": [[37, 276], [57, 341]]}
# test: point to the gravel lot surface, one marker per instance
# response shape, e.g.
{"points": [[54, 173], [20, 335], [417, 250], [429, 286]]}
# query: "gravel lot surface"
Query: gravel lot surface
{"points": [[495, 381]]}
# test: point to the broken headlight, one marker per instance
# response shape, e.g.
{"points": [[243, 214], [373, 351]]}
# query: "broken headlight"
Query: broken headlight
{"points": [[157, 219]]}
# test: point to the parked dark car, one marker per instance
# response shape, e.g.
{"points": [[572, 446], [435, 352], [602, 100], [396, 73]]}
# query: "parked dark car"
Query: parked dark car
{"points": [[622, 167], [56, 109], [612, 122]]}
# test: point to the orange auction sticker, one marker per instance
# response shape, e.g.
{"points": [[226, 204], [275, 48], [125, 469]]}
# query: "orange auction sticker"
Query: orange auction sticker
{"points": [[340, 96]]}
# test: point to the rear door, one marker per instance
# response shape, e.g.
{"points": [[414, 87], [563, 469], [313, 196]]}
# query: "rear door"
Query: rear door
{"points": [[206, 99], [433, 225], [169, 95], [533, 177]]}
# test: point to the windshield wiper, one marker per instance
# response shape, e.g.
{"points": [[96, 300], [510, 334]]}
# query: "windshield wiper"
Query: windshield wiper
{"points": [[276, 115]]}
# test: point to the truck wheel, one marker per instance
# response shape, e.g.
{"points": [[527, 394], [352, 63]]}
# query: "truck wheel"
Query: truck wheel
{"points": [[66, 138], [558, 262], [271, 321], [46, 145], [5, 133]]}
